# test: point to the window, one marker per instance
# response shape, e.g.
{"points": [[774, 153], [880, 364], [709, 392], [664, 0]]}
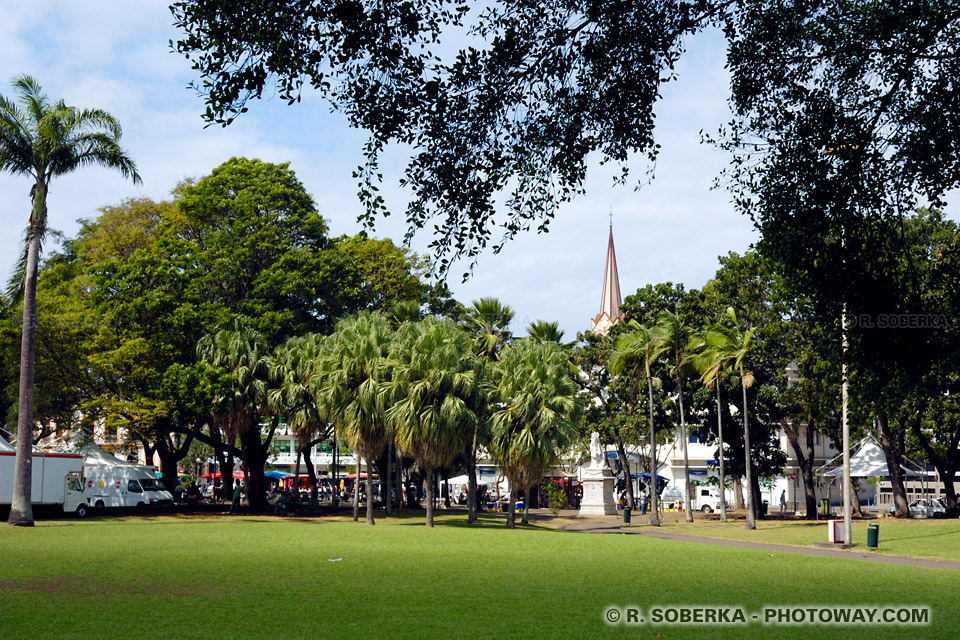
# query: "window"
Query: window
{"points": [[694, 439], [283, 447], [134, 487]]}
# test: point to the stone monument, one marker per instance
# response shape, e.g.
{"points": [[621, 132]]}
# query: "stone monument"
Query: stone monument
{"points": [[597, 483]]}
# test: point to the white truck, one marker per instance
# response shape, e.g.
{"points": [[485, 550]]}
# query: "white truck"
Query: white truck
{"points": [[706, 499], [123, 485], [56, 480]]}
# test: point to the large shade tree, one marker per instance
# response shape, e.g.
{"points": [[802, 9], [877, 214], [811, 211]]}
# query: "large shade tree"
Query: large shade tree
{"points": [[536, 408], [42, 140], [352, 364], [433, 390]]}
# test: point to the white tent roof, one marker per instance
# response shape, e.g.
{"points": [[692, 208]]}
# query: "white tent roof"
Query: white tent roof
{"points": [[867, 462], [6, 446]]}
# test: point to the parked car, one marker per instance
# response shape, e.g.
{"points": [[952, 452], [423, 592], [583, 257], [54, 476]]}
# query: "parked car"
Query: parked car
{"points": [[928, 508]]}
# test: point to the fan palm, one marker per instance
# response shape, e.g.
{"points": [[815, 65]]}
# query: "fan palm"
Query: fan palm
{"points": [[346, 380], [488, 321], [431, 394], [241, 359], [728, 347], [536, 402], [678, 335], [543, 331], [636, 351], [44, 140], [292, 395]]}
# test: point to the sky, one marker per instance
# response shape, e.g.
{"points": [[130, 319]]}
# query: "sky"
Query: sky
{"points": [[116, 56]]}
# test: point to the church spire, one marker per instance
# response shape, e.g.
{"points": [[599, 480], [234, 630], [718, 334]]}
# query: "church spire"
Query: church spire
{"points": [[610, 298]]}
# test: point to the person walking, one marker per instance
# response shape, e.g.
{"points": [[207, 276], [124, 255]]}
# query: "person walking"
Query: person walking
{"points": [[643, 501], [783, 501], [235, 505]]}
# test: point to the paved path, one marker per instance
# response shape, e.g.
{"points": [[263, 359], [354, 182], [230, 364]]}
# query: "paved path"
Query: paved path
{"points": [[608, 525]]}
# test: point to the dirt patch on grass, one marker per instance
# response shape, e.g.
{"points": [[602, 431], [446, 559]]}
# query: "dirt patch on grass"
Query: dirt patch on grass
{"points": [[77, 586]]}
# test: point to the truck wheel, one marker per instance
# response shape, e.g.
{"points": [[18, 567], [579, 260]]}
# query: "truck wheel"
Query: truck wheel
{"points": [[82, 511], [99, 506], [706, 509]]}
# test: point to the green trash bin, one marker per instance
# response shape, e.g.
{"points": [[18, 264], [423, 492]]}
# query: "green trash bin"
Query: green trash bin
{"points": [[626, 515], [873, 535]]}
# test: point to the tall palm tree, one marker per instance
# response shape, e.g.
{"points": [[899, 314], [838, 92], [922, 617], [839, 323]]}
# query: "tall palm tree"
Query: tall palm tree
{"points": [[678, 335], [44, 140], [241, 358], [536, 402], [727, 347], [543, 331], [637, 349], [431, 394], [292, 395], [488, 321], [346, 382]]}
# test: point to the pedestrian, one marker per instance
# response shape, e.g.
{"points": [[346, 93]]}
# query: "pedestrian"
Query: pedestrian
{"points": [[783, 501], [643, 501], [235, 505]]}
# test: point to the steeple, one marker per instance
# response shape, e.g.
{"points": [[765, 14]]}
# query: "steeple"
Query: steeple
{"points": [[610, 299]]}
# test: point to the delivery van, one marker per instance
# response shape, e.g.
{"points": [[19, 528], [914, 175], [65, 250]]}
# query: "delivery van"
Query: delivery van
{"points": [[706, 499], [110, 486], [56, 480]]}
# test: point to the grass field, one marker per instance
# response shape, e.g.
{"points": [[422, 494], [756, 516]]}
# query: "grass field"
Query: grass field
{"points": [[252, 577], [920, 538]]}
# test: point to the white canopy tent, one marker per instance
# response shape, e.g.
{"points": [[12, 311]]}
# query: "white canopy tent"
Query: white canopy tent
{"points": [[5, 446], [868, 462]]}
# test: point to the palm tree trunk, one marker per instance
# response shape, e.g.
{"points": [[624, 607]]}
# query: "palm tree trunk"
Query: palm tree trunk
{"points": [[723, 484], [686, 460], [511, 516], [751, 516], [369, 491], [430, 498], [400, 504], [356, 491], [21, 507], [335, 498], [654, 485], [387, 477], [312, 473], [526, 506], [296, 473], [472, 481]]}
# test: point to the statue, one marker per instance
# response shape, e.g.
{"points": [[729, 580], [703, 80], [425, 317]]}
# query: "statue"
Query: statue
{"points": [[596, 452]]}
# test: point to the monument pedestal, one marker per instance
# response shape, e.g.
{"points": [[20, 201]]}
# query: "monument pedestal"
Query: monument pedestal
{"points": [[597, 493]]}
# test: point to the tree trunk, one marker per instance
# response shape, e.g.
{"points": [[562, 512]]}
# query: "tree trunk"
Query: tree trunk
{"points": [[356, 490], [805, 457], [723, 482], [296, 473], [893, 455], [312, 473], [446, 487], [387, 477], [472, 481], [511, 516], [738, 502], [688, 511], [430, 498], [21, 506], [399, 481], [526, 505], [369, 492], [748, 462], [335, 482], [255, 454], [654, 485], [625, 463]]}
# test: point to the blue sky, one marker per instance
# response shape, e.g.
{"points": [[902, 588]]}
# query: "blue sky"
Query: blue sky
{"points": [[115, 55]]}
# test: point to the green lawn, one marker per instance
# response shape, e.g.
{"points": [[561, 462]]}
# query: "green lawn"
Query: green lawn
{"points": [[921, 538], [180, 577]]}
